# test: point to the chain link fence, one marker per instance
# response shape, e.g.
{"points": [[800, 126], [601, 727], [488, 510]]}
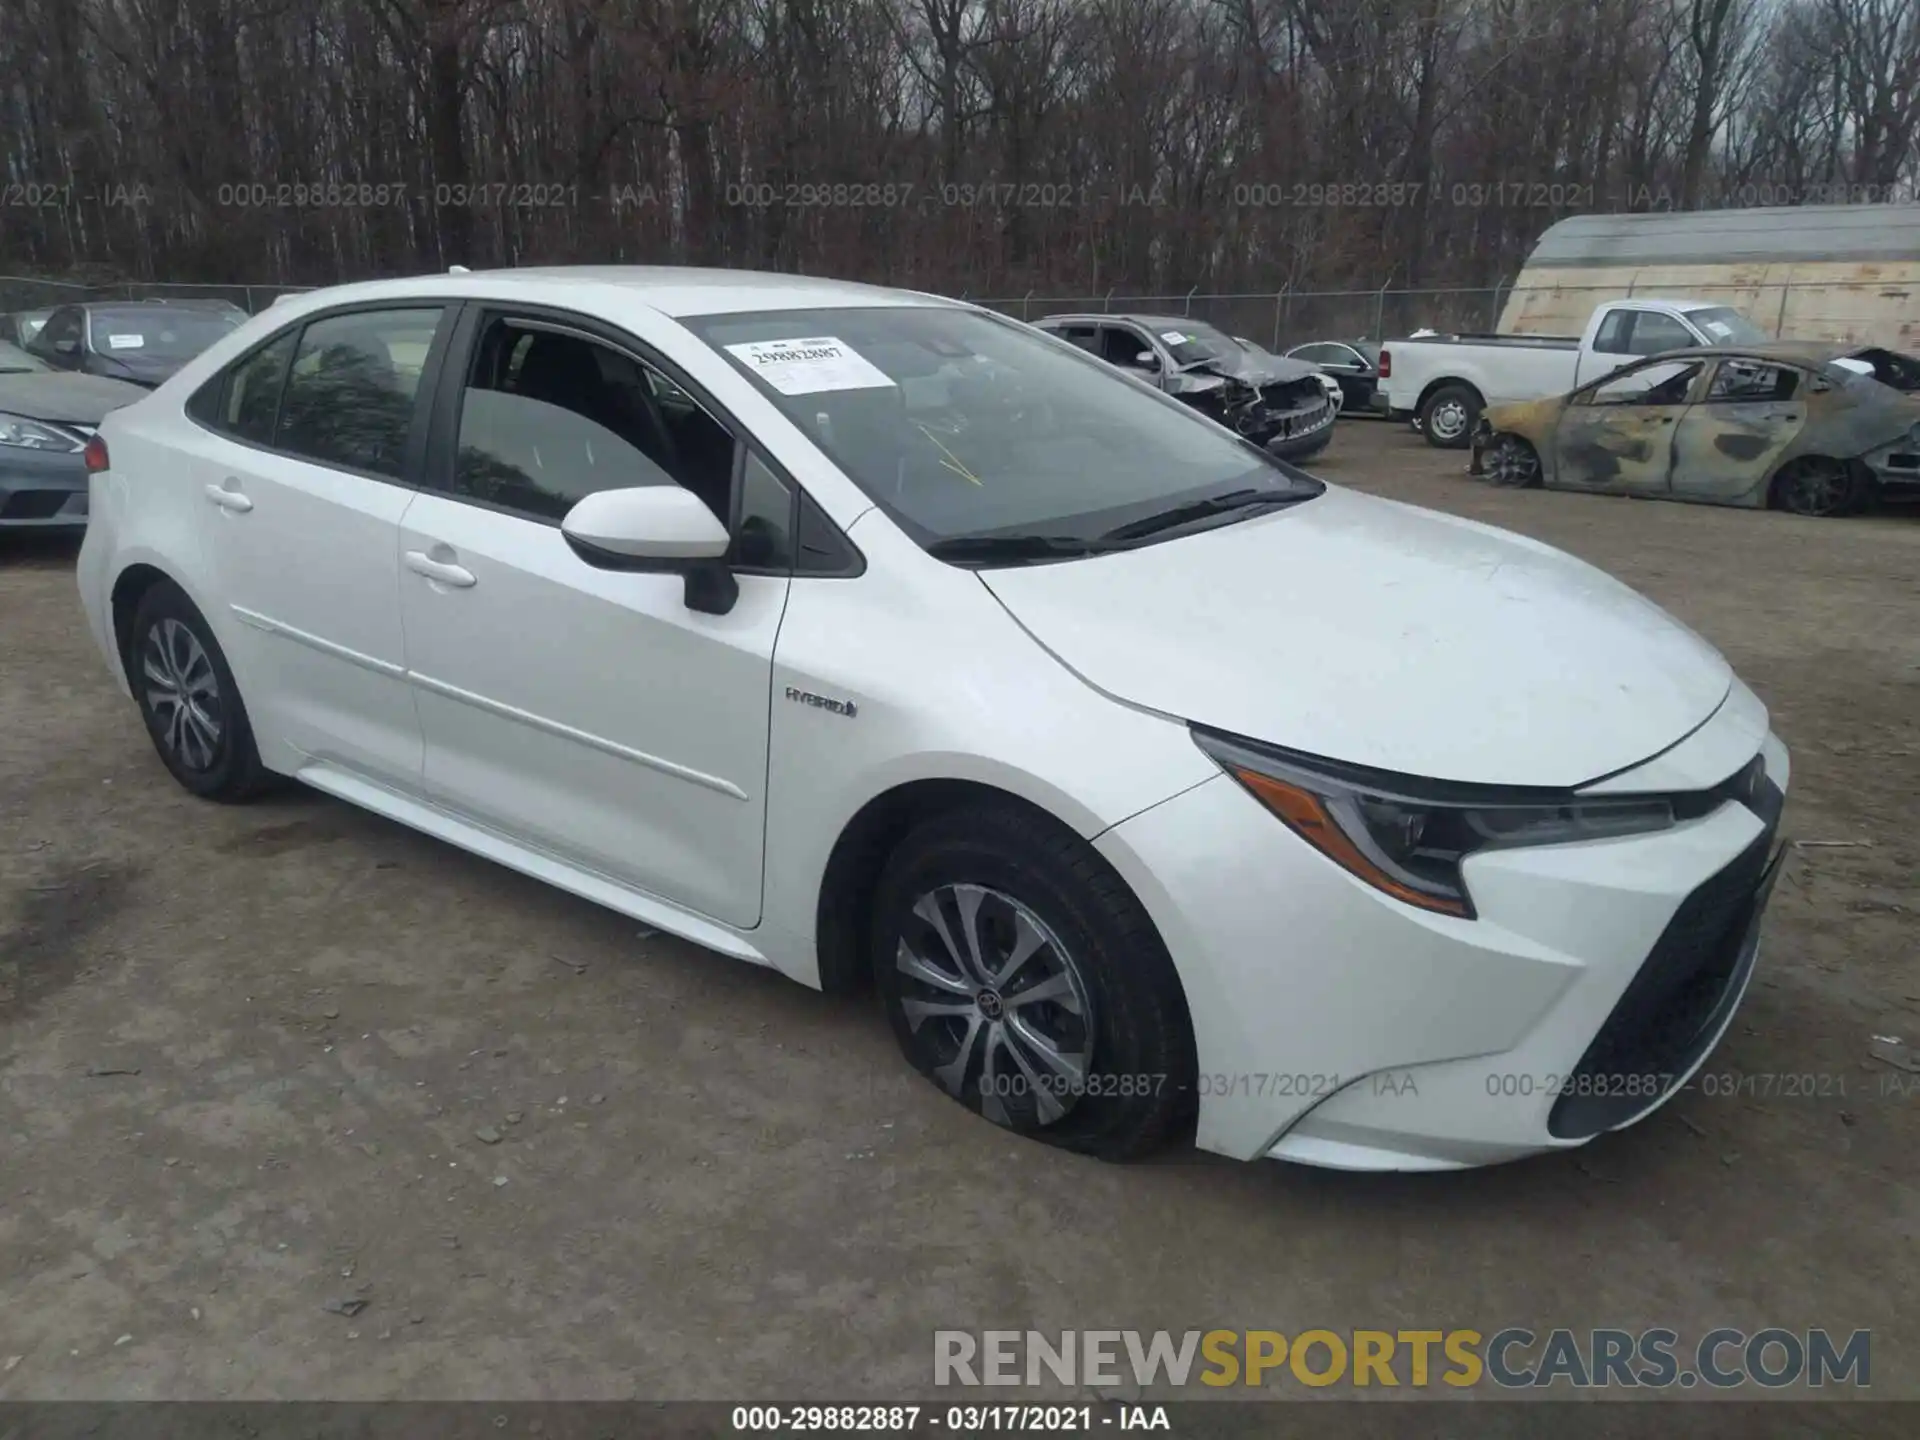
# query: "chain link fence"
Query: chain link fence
{"points": [[1284, 318], [20, 292], [1856, 311], [1848, 311]]}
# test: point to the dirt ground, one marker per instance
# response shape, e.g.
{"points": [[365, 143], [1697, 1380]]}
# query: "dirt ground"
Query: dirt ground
{"points": [[244, 1054]]}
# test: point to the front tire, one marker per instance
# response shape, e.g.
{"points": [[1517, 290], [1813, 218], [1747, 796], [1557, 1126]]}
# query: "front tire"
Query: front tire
{"points": [[1512, 463], [1448, 416], [1024, 978], [189, 699]]}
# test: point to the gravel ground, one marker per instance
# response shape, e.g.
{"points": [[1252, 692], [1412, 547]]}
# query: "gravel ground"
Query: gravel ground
{"points": [[258, 1062]]}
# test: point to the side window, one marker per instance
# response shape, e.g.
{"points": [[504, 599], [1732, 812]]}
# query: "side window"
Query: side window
{"points": [[1665, 384], [1612, 336], [251, 396], [60, 335], [1121, 346], [1752, 380], [763, 538], [1087, 337], [1654, 334], [548, 418], [1324, 354], [349, 396]]}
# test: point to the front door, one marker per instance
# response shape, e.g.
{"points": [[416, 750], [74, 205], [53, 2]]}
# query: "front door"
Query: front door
{"points": [[1729, 444], [586, 712], [1617, 435]]}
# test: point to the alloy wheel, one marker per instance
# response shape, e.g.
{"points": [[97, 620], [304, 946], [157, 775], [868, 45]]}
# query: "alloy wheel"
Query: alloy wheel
{"points": [[1513, 463], [993, 999], [183, 694], [1817, 488]]}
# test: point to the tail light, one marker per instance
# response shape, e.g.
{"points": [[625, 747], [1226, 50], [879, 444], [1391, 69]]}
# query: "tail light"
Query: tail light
{"points": [[1386, 364], [95, 455]]}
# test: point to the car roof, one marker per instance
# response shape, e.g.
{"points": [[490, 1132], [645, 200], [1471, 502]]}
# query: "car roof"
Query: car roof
{"points": [[1152, 322], [672, 290], [1797, 352]]}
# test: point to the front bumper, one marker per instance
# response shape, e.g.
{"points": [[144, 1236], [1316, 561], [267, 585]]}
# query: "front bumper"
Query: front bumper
{"points": [[1337, 1027], [1482, 438], [1896, 469], [1302, 435], [42, 489]]}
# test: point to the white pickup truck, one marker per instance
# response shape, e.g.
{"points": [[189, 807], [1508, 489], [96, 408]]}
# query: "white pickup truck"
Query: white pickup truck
{"points": [[1443, 382]]}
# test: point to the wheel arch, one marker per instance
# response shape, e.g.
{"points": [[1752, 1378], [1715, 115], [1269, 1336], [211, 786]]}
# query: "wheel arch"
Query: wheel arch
{"points": [[1862, 476], [130, 587], [867, 840], [1433, 387]]}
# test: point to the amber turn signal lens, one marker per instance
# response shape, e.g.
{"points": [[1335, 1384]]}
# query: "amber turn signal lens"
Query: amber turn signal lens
{"points": [[1306, 815]]}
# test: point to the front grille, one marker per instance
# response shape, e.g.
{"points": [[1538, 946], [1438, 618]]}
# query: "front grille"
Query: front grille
{"points": [[33, 504], [1676, 1004]]}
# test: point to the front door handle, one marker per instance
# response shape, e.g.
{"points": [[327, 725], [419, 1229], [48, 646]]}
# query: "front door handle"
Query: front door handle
{"points": [[440, 571], [228, 497]]}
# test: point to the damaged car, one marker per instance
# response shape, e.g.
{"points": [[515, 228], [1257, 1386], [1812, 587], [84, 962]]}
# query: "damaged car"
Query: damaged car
{"points": [[1277, 403], [1809, 428]]}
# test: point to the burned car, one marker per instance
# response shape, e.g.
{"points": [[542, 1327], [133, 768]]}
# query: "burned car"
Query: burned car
{"points": [[1277, 403], [1811, 428]]}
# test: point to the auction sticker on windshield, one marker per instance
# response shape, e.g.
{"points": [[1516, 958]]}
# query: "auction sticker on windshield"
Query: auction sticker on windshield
{"points": [[126, 342], [806, 367], [1173, 337]]}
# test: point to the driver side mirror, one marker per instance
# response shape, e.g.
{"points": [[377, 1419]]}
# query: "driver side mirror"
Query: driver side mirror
{"points": [[656, 529], [66, 347], [1147, 360]]}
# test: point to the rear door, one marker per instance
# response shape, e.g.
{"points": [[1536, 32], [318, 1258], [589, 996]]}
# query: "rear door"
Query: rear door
{"points": [[1618, 435], [1727, 446], [305, 463]]}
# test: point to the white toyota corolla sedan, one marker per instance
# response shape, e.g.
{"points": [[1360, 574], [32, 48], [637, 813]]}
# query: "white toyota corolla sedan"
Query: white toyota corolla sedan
{"points": [[859, 633]]}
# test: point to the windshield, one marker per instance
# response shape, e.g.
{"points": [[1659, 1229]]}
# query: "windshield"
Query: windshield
{"points": [[1190, 342], [1723, 326], [958, 423], [158, 332]]}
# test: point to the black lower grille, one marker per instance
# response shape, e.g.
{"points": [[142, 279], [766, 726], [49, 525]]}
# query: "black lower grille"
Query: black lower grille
{"points": [[1674, 1006], [33, 504]]}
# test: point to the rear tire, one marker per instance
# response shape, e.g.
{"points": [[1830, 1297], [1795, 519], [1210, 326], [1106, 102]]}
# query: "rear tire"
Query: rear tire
{"points": [[1448, 415], [1816, 487], [1084, 1042], [189, 699]]}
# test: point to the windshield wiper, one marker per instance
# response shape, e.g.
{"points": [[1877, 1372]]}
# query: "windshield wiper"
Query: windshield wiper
{"points": [[1013, 548], [1196, 510]]}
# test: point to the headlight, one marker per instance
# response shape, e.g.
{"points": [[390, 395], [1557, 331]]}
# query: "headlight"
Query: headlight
{"points": [[1913, 435], [27, 434], [1408, 837]]}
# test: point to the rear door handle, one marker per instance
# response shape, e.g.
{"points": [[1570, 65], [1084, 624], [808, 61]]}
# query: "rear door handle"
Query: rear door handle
{"points": [[229, 498], [441, 571]]}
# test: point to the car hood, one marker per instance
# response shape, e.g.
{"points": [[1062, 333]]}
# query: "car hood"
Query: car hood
{"points": [[1254, 369], [71, 399], [1377, 633], [1534, 419], [131, 365]]}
